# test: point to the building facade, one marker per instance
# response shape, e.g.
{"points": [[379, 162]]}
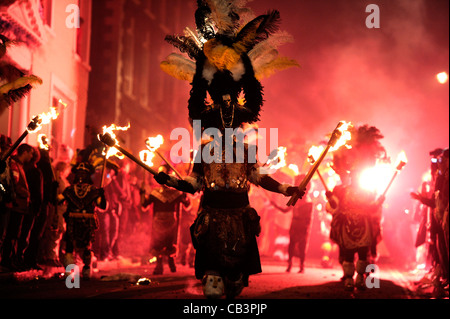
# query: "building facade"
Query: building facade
{"points": [[126, 83], [54, 44]]}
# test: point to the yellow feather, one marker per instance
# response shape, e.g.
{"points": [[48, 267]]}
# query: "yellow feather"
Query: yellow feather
{"points": [[179, 67], [280, 63], [221, 56], [177, 72]]}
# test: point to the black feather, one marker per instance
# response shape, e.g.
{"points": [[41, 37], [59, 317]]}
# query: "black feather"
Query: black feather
{"points": [[184, 44], [15, 95], [259, 29]]}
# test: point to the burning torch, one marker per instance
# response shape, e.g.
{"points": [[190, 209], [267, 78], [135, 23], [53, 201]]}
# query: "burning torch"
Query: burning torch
{"points": [[153, 143], [339, 137], [109, 139], [109, 150], [401, 163], [34, 126]]}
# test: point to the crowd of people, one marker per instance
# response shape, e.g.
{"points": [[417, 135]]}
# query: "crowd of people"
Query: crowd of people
{"points": [[140, 218], [40, 196]]}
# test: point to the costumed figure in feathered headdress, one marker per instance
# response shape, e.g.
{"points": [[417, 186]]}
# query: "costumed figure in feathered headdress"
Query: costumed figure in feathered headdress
{"points": [[226, 59], [81, 219], [355, 226]]}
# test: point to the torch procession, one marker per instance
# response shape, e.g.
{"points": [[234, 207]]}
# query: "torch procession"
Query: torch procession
{"points": [[224, 158]]}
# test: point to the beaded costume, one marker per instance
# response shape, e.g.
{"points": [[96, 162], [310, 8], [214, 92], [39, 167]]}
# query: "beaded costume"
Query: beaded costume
{"points": [[225, 60]]}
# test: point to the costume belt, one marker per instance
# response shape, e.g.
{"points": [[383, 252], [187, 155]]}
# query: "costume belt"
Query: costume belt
{"points": [[225, 199]]}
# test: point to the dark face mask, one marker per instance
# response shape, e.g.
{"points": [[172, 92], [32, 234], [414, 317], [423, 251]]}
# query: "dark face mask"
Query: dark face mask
{"points": [[227, 111]]}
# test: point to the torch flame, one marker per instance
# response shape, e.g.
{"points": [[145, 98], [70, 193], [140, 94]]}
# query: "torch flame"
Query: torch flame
{"points": [[401, 160], [146, 157], [43, 118], [43, 142], [315, 151], [112, 151], [345, 136], [153, 143]]}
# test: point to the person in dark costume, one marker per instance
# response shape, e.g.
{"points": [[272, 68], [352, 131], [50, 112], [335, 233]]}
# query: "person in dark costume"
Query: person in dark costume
{"points": [[81, 218], [166, 207], [226, 94], [355, 226], [438, 221]]}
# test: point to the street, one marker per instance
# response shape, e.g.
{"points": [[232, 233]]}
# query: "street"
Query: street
{"points": [[126, 280], [272, 293]]}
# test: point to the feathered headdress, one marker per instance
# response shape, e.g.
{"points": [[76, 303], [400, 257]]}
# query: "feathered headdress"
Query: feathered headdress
{"points": [[366, 149], [228, 54]]}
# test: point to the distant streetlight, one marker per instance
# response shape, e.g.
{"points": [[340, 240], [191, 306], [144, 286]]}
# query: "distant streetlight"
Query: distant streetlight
{"points": [[442, 77]]}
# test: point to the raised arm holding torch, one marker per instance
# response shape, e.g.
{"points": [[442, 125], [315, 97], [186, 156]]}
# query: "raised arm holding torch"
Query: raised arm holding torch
{"points": [[338, 138]]}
